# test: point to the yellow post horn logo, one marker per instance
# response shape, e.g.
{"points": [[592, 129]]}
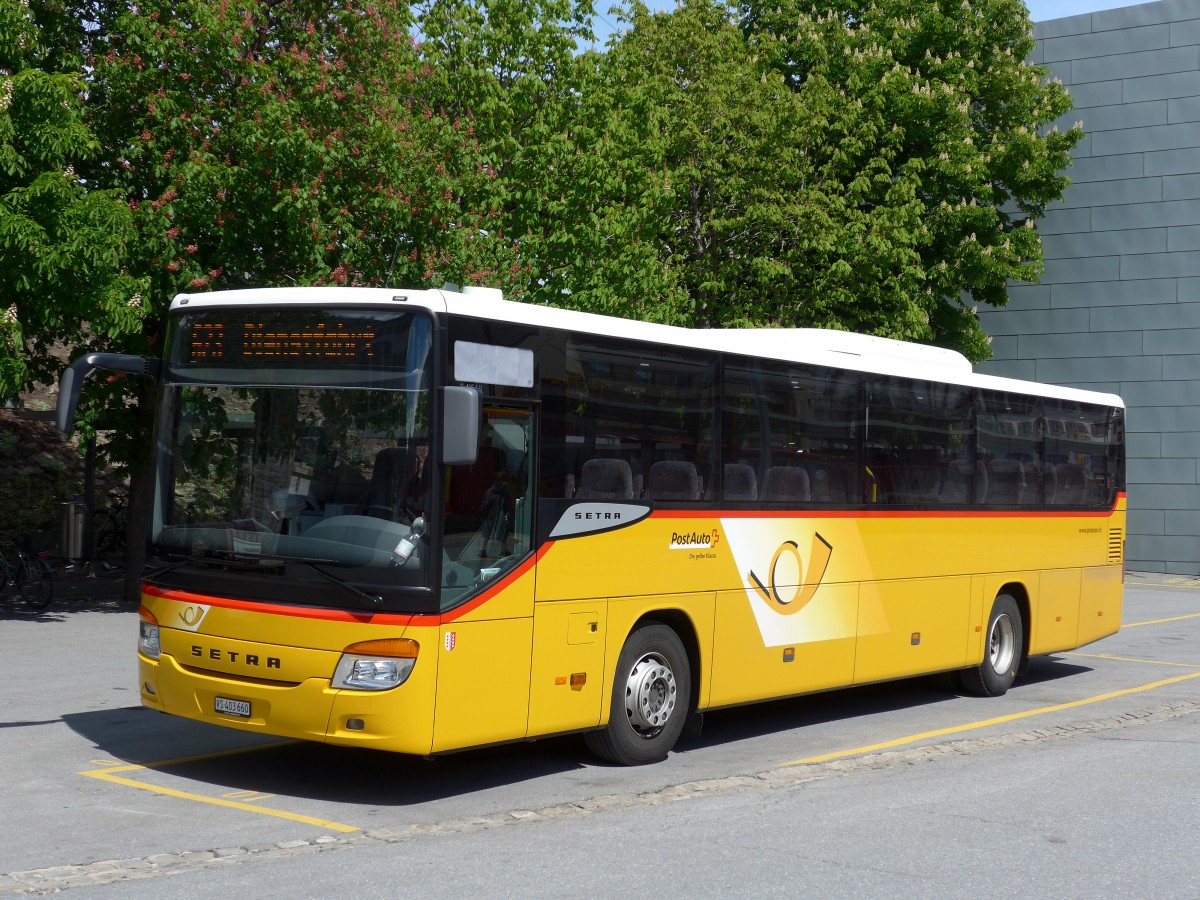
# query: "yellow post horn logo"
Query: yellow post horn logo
{"points": [[192, 615], [809, 581]]}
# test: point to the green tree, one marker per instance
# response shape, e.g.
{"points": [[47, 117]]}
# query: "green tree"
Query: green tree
{"points": [[875, 167], [938, 96], [508, 69], [270, 143], [62, 242], [670, 205]]}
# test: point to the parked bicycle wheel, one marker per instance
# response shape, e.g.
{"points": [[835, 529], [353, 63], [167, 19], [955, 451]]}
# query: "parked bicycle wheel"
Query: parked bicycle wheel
{"points": [[35, 582], [110, 540]]}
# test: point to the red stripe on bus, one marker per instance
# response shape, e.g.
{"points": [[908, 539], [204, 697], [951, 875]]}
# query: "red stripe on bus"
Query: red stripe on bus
{"points": [[883, 513], [333, 615], [349, 615], [459, 611]]}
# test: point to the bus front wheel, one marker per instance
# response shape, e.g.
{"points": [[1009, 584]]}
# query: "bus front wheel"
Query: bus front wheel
{"points": [[650, 698], [1002, 651]]}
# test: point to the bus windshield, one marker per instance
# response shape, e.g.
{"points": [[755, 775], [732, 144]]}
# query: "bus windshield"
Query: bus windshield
{"points": [[294, 443]]}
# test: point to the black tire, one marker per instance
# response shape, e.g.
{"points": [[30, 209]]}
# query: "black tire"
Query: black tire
{"points": [[651, 697], [35, 582], [1003, 651], [110, 552]]}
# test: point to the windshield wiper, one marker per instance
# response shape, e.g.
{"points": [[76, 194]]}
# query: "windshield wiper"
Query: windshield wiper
{"points": [[373, 601], [250, 564]]}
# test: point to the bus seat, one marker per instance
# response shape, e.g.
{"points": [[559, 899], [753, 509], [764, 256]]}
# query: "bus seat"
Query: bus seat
{"points": [[672, 479], [1070, 484], [605, 479], [741, 482], [383, 490], [827, 482], [956, 485], [819, 486], [468, 484], [788, 483], [1006, 482]]}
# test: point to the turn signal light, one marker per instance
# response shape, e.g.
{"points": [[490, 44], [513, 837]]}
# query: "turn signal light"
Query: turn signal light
{"points": [[405, 648], [149, 641]]}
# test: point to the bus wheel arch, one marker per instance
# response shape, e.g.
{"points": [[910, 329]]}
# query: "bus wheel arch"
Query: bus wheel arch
{"points": [[1020, 595], [653, 692], [1005, 645]]}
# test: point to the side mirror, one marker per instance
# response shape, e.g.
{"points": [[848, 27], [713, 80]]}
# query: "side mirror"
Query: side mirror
{"points": [[71, 382], [462, 409]]}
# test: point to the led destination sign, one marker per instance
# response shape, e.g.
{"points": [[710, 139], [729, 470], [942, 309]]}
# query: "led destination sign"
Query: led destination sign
{"points": [[298, 338], [256, 342]]}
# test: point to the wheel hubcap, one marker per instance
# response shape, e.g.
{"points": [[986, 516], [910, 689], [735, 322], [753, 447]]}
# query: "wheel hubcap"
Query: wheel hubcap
{"points": [[650, 694], [1002, 645]]}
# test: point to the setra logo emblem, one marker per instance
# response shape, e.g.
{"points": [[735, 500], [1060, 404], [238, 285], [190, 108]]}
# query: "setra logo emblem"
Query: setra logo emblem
{"points": [[806, 582], [191, 616]]}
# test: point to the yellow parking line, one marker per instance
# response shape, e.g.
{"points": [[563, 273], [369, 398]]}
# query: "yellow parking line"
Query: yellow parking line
{"points": [[986, 723], [111, 773], [1172, 583], [1149, 662], [1161, 621]]}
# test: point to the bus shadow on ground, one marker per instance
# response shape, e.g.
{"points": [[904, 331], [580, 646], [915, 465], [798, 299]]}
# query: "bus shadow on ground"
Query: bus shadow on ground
{"points": [[845, 704], [762, 719], [232, 761]]}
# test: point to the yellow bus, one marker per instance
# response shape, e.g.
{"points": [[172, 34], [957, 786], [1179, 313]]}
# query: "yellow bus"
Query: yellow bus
{"points": [[429, 520]]}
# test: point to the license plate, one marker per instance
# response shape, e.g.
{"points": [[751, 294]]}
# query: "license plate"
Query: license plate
{"points": [[240, 708]]}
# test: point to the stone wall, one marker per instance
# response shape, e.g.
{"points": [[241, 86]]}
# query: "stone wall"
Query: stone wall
{"points": [[1119, 306], [38, 473]]}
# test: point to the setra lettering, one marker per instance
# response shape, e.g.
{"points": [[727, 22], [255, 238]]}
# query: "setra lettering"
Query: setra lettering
{"points": [[252, 660]]}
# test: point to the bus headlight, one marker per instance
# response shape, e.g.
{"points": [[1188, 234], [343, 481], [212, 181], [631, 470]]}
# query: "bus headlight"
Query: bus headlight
{"points": [[376, 665], [149, 643]]}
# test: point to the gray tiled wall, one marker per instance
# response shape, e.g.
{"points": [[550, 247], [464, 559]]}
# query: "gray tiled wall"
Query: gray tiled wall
{"points": [[1119, 306]]}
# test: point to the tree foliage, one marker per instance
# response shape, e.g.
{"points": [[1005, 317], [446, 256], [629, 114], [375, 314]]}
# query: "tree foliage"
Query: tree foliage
{"points": [[936, 95], [509, 70], [872, 166], [62, 242], [275, 143]]}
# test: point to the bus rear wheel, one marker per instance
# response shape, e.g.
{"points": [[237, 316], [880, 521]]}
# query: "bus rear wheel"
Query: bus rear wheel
{"points": [[650, 698], [1002, 651]]}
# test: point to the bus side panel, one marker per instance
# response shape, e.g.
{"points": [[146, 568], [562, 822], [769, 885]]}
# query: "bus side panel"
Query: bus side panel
{"points": [[1055, 623], [820, 655], [483, 682], [567, 683], [910, 627], [1100, 603], [483, 667]]}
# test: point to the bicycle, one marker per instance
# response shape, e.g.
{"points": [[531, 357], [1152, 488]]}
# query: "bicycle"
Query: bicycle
{"points": [[111, 527], [31, 576]]}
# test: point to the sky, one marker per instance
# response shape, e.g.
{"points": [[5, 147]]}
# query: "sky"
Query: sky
{"points": [[1039, 10]]}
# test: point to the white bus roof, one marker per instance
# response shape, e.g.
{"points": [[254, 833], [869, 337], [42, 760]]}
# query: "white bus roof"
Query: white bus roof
{"points": [[815, 346]]}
